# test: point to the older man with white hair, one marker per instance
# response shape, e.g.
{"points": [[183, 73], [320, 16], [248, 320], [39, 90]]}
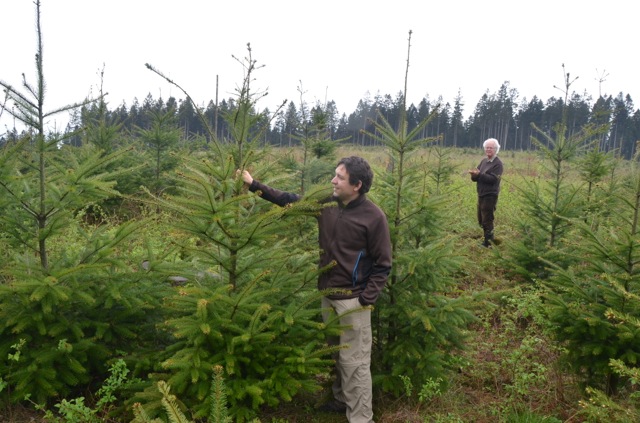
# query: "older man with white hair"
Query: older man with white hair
{"points": [[487, 178]]}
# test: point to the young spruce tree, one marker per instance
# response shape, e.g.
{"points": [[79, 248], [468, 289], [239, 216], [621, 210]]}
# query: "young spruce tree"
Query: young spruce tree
{"points": [[417, 326], [250, 304], [553, 200], [593, 305], [69, 303]]}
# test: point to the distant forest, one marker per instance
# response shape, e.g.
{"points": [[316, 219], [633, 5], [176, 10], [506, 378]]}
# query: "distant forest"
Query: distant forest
{"points": [[501, 115]]}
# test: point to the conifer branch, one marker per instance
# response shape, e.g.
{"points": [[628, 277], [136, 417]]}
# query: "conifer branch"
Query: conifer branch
{"points": [[170, 404], [218, 397]]}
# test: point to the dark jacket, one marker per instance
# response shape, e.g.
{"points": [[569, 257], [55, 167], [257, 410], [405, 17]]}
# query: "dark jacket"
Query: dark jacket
{"points": [[488, 180], [355, 236]]}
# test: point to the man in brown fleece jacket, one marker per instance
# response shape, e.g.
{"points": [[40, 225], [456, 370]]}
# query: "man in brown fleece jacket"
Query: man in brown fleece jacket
{"points": [[354, 233], [487, 177]]}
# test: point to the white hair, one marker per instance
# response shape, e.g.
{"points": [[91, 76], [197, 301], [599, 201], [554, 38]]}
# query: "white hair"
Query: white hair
{"points": [[494, 141]]}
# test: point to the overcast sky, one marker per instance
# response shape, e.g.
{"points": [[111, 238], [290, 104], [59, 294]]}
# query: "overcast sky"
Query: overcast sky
{"points": [[334, 50]]}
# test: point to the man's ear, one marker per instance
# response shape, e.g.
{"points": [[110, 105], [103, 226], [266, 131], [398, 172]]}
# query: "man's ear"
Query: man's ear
{"points": [[357, 186]]}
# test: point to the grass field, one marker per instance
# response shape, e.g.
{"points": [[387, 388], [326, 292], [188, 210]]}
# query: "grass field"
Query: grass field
{"points": [[510, 369]]}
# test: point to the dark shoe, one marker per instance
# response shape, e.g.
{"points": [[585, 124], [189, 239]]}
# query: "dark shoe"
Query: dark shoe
{"points": [[488, 239], [333, 406]]}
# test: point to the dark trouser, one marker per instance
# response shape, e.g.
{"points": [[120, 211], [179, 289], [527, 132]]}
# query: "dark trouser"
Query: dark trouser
{"points": [[486, 208]]}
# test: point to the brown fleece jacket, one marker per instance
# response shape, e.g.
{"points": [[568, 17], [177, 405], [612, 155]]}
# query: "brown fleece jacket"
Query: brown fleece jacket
{"points": [[355, 236]]}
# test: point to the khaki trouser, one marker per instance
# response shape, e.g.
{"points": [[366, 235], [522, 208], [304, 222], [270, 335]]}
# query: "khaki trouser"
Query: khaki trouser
{"points": [[353, 364]]}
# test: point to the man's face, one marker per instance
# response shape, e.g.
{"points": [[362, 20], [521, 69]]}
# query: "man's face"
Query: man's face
{"points": [[490, 150], [342, 189]]}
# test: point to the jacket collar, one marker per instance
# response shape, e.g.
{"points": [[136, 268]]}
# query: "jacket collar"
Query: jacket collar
{"points": [[354, 203]]}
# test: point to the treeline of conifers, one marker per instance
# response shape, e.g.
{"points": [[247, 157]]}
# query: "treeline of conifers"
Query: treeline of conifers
{"points": [[502, 115]]}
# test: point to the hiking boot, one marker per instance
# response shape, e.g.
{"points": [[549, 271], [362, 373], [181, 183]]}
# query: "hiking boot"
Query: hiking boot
{"points": [[488, 239]]}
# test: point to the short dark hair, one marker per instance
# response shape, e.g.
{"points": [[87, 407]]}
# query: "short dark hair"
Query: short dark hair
{"points": [[359, 171]]}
